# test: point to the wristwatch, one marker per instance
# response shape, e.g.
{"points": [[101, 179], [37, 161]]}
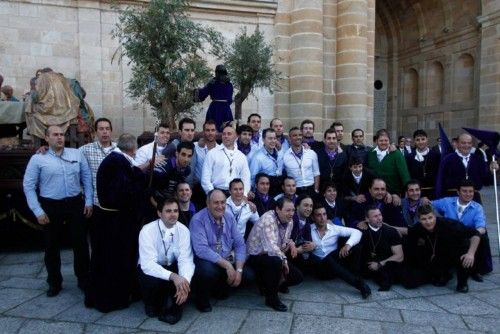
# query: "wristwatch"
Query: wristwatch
{"points": [[240, 270]]}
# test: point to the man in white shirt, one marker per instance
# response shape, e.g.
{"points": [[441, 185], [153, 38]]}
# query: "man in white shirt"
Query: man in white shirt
{"points": [[328, 259], [145, 153], [302, 164], [201, 149], [166, 264], [245, 214], [225, 163]]}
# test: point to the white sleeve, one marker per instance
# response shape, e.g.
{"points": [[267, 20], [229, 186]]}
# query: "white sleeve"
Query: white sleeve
{"points": [[245, 175], [185, 260], [141, 156], [315, 165], [148, 257], [353, 234], [206, 174]]}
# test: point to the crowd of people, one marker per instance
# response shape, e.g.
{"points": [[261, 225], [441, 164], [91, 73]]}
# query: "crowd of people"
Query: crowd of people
{"points": [[179, 218]]}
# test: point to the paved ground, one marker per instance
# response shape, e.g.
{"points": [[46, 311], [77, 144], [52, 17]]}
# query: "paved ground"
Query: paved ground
{"points": [[315, 307]]}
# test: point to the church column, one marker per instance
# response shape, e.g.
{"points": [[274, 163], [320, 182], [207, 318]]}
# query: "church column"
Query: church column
{"points": [[354, 57], [489, 87], [306, 62]]}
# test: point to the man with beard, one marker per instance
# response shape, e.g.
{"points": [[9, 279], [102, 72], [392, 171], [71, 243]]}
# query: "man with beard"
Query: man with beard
{"points": [[282, 143], [332, 159], [378, 196], [358, 149], [301, 164], [255, 122]]}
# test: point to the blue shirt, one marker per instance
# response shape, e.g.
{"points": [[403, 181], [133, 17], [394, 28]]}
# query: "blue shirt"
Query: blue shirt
{"points": [[472, 216], [204, 237], [263, 162], [57, 177]]}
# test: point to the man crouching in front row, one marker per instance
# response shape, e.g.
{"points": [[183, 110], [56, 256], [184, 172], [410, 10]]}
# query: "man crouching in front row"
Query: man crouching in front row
{"points": [[165, 263]]}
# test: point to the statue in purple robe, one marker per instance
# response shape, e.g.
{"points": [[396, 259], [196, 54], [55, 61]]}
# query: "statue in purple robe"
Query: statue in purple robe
{"points": [[220, 90]]}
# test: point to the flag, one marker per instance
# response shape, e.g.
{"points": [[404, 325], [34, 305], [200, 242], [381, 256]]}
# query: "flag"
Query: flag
{"points": [[446, 147], [490, 138]]}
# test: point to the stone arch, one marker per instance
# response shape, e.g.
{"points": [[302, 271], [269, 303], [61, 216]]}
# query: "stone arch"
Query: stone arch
{"points": [[463, 80], [410, 89], [435, 84]]}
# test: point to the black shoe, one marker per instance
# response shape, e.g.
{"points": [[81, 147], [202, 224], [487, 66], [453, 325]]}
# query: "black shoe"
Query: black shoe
{"points": [[477, 277], [151, 311], [365, 291], [203, 306], [82, 284], [463, 288], [284, 289], [276, 304], [384, 288], [53, 291], [222, 294], [171, 318]]}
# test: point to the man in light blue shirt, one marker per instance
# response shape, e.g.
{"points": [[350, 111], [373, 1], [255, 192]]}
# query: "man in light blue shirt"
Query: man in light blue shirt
{"points": [[470, 213], [269, 161], [59, 175]]}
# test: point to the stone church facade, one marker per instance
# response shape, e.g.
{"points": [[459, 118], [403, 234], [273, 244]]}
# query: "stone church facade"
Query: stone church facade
{"points": [[399, 64]]}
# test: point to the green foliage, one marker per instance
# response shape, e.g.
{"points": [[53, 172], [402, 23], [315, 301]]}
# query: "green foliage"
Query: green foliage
{"points": [[165, 49], [249, 63]]}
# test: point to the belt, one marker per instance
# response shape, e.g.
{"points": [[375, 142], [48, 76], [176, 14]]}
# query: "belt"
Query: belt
{"points": [[62, 200], [220, 101], [107, 209]]}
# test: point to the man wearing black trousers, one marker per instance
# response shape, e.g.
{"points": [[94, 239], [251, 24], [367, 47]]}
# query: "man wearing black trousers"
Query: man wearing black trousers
{"points": [[165, 263], [267, 245], [328, 259], [441, 245]]}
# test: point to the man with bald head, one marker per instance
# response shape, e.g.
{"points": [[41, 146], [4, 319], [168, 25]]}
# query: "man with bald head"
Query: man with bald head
{"points": [[219, 250], [53, 188], [460, 165]]}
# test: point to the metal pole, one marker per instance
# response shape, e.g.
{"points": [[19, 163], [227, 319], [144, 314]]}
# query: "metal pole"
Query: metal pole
{"points": [[496, 206]]}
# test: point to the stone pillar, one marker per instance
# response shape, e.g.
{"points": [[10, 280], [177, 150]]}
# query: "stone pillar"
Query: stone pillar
{"points": [[282, 58], [306, 62], [352, 64], [329, 59], [489, 82]]}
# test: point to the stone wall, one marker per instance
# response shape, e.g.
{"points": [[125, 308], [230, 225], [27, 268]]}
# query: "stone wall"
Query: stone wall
{"points": [[73, 37]]}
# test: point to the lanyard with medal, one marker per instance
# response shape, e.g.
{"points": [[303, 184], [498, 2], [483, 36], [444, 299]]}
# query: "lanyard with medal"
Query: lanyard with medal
{"points": [[219, 228], [275, 160], [299, 162], [165, 248], [230, 161]]}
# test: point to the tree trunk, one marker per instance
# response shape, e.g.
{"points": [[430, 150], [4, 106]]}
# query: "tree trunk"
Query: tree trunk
{"points": [[168, 113], [238, 102]]}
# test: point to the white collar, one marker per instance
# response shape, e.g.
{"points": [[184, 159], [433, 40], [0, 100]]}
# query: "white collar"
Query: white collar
{"points": [[332, 204], [379, 151], [461, 155], [461, 205], [373, 228]]}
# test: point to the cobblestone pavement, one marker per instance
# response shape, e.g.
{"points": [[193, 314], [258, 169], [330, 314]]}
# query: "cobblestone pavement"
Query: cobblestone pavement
{"points": [[314, 307]]}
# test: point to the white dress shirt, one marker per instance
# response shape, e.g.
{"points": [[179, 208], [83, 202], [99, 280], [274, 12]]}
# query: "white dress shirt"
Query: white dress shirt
{"points": [[242, 214], [303, 170], [221, 166], [201, 153], [145, 153], [330, 240], [154, 239]]}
